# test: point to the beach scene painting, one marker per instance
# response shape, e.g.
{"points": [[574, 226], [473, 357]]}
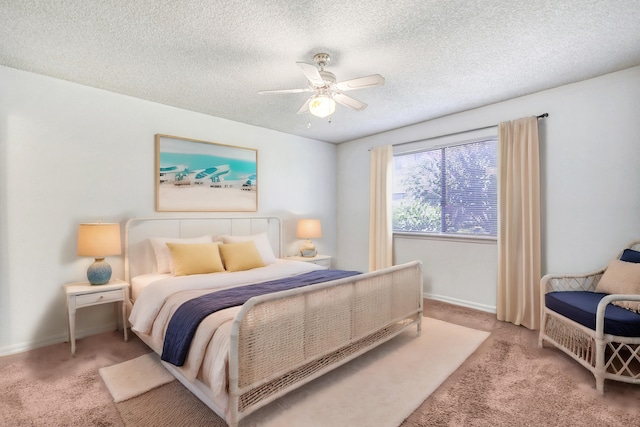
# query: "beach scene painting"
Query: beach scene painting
{"points": [[201, 176]]}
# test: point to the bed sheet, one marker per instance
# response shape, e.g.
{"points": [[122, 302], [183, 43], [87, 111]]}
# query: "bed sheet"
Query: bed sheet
{"points": [[138, 283]]}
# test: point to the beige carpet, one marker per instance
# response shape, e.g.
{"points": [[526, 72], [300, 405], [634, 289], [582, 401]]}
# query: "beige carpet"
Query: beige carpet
{"points": [[507, 382], [380, 388]]}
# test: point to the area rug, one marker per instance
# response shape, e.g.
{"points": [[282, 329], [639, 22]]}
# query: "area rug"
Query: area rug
{"points": [[135, 377], [380, 388]]}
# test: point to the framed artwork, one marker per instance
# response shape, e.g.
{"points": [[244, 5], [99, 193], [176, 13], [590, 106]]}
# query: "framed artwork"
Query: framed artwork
{"points": [[201, 176]]}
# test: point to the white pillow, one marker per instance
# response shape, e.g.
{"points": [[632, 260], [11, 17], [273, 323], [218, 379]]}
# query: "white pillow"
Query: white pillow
{"points": [[164, 261], [262, 244]]}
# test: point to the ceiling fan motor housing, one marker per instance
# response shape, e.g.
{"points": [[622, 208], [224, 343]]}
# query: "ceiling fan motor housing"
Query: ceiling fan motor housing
{"points": [[321, 59]]}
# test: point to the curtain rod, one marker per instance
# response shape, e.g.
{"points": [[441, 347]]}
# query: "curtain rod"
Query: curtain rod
{"points": [[541, 116]]}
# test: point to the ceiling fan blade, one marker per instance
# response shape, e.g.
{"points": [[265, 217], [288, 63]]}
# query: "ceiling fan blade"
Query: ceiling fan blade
{"points": [[275, 92], [304, 108], [361, 82], [347, 101], [312, 74]]}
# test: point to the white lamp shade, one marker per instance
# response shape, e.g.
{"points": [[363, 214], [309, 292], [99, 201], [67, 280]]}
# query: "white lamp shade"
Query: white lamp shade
{"points": [[99, 240], [309, 229], [322, 105]]}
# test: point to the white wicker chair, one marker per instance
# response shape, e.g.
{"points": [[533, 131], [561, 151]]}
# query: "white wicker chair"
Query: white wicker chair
{"points": [[607, 356]]}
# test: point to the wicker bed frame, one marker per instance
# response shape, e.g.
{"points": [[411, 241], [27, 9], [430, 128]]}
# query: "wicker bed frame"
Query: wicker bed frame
{"points": [[284, 340]]}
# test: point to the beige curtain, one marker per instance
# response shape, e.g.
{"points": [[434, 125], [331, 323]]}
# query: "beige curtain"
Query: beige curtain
{"points": [[380, 227], [519, 223]]}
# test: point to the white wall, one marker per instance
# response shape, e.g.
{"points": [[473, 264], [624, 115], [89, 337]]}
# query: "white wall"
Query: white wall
{"points": [[71, 153], [590, 177]]}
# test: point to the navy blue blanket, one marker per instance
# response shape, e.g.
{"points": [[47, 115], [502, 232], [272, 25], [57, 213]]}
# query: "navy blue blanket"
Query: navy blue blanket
{"points": [[182, 326]]}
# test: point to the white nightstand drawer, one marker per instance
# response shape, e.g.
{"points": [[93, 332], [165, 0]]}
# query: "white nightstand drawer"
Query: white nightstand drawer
{"points": [[98, 298], [322, 262]]}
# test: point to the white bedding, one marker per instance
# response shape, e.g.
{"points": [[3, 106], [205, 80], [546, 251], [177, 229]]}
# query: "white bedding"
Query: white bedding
{"points": [[152, 297], [138, 283]]}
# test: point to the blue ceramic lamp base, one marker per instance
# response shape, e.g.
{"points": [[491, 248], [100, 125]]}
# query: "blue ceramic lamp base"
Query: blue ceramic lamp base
{"points": [[99, 272], [308, 249]]}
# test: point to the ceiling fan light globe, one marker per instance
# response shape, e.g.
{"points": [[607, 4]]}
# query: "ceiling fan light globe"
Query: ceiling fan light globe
{"points": [[322, 106]]}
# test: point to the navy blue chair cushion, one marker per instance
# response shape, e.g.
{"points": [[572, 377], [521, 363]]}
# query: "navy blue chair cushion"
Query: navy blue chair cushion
{"points": [[581, 307], [629, 255]]}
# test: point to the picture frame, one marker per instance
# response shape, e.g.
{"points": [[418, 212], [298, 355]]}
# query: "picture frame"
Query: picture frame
{"points": [[192, 175]]}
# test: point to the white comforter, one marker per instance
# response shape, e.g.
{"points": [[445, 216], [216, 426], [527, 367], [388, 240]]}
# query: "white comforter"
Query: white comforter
{"points": [[152, 298]]}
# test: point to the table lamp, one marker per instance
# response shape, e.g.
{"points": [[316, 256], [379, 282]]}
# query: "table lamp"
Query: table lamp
{"points": [[309, 229], [99, 240]]}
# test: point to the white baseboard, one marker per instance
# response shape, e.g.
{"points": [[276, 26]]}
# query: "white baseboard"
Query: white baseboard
{"points": [[463, 303], [31, 345]]}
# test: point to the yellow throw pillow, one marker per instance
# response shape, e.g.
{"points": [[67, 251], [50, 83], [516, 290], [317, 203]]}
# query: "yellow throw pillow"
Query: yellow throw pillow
{"points": [[241, 256], [196, 258], [621, 277], [262, 244], [164, 262]]}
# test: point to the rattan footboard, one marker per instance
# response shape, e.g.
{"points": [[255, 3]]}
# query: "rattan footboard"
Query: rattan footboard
{"points": [[282, 341]]}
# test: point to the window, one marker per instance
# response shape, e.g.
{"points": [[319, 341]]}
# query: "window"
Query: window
{"points": [[449, 190]]}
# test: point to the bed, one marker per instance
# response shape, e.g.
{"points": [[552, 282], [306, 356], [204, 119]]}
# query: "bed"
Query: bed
{"points": [[243, 357]]}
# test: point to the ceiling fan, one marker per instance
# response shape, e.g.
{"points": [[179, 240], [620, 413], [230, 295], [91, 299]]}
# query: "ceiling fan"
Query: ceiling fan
{"points": [[326, 90]]}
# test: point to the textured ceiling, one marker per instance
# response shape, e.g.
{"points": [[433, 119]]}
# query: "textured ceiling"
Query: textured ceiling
{"points": [[438, 57]]}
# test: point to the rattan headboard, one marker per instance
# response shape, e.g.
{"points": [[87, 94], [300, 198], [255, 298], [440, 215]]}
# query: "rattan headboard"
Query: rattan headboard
{"points": [[138, 253]]}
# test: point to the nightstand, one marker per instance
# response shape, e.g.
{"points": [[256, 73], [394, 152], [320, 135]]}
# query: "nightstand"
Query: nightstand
{"points": [[83, 294], [323, 260]]}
